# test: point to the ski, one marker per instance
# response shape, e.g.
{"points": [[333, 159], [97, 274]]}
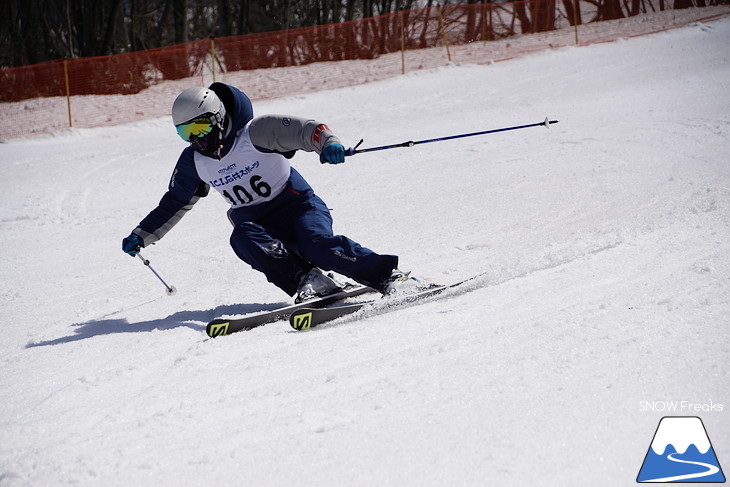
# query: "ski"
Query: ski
{"points": [[226, 326], [305, 318]]}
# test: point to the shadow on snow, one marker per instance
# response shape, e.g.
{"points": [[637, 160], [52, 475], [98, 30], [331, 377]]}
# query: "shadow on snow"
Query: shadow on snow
{"points": [[189, 319]]}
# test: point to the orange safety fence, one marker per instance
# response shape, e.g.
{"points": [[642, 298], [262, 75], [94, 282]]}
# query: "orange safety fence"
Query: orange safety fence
{"points": [[300, 60]]}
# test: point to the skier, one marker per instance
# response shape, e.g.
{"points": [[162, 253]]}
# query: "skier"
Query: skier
{"points": [[281, 228]]}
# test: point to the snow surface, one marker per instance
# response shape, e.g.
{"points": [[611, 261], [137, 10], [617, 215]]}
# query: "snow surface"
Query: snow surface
{"points": [[606, 239]]}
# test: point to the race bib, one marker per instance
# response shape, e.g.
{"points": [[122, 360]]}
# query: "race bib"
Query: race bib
{"points": [[245, 176]]}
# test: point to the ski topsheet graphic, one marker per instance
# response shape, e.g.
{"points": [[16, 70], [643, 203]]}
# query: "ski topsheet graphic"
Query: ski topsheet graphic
{"points": [[680, 452]]}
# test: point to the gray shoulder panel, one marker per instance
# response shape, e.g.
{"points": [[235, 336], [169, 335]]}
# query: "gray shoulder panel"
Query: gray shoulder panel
{"points": [[286, 133]]}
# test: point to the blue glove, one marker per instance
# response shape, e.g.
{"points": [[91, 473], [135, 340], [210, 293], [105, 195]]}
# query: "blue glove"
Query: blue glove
{"points": [[132, 244], [333, 153]]}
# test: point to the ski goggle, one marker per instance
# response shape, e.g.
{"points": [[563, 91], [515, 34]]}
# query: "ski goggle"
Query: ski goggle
{"points": [[199, 127]]}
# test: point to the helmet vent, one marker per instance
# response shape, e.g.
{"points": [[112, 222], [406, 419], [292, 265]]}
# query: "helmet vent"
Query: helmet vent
{"points": [[195, 102], [203, 100]]}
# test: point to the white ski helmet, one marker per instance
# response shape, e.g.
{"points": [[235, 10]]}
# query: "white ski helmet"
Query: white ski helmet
{"points": [[199, 117], [197, 102]]}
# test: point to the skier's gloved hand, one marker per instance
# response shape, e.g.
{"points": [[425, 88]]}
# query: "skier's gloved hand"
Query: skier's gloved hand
{"points": [[132, 244], [333, 154]]}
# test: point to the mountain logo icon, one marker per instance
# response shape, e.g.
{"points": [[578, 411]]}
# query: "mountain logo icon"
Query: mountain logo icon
{"points": [[680, 452]]}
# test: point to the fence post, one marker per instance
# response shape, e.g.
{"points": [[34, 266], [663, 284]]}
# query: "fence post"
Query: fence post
{"points": [[212, 55], [402, 44], [575, 20], [443, 31], [68, 92]]}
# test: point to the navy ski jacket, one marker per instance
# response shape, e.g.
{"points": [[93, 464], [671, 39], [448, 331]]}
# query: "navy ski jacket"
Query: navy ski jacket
{"points": [[185, 187]]}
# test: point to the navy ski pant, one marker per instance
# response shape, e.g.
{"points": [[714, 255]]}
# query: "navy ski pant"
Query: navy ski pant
{"points": [[288, 236]]}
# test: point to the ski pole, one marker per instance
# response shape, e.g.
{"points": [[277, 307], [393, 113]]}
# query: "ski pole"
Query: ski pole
{"points": [[354, 150], [170, 289]]}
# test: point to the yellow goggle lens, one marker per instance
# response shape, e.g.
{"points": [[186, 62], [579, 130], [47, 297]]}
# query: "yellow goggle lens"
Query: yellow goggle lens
{"points": [[195, 128]]}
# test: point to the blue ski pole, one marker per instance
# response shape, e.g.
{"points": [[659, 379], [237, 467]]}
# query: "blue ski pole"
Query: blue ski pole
{"points": [[354, 150]]}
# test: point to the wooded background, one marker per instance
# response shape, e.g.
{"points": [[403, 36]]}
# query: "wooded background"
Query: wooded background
{"points": [[36, 31], [43, 30]]}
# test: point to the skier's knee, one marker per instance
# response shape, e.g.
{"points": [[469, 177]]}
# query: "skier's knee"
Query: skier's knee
{"points": [[249, 239]]}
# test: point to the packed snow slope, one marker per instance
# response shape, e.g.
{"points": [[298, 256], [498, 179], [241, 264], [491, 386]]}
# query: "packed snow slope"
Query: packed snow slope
{"points": [[607, 245]]}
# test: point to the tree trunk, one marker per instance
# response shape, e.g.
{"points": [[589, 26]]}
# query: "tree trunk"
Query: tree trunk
{"points": [[107, 46], [180, 20], [521, 14], [610, 10]]}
